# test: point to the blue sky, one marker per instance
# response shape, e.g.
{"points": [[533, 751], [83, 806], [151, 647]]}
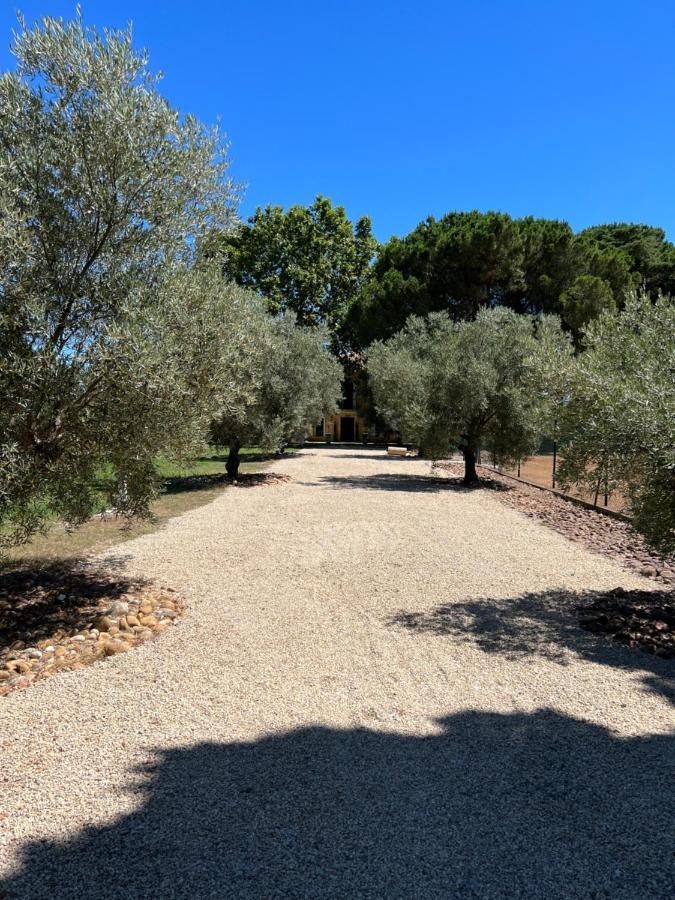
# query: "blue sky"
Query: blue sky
{"points": [[399, 110]]}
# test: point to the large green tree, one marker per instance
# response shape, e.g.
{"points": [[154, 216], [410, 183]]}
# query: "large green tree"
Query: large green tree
{"points": [[549, 261], [486, 383], [457, 264], [471, 260], [309, 260], [284, 381], [104, 192], [584, 300], [649, 255], [619, 413], [554, 258]]}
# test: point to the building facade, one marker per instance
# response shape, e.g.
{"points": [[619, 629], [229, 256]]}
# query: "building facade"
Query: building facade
{"points": [[352, 422]]}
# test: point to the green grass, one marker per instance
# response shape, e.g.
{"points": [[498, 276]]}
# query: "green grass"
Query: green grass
{"points": [[183, 488]]}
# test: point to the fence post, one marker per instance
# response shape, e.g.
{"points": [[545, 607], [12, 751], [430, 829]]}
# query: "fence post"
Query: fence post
{"points": [[555, 458], [602, 468]]}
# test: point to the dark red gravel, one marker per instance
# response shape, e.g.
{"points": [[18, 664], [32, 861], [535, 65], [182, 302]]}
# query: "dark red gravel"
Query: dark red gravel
{"points": [[644, 619]]}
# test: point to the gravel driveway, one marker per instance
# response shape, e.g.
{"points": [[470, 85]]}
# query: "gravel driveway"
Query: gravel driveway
{"points": [[379, 691]]}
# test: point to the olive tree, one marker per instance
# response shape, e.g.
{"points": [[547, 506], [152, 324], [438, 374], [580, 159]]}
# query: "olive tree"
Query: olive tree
{"points": [[468, 385], [619, 418], [287, 381], [105, 191]]}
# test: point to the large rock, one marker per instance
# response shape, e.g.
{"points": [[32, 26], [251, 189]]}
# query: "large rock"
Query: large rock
{"points": [[118, 608], [102, 623]]}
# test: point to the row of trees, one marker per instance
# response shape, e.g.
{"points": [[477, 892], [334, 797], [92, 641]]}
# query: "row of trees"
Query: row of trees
{"points": [[119, 341], [502, 381], [313, 261], [487, 331], [468, 261], [137, 317]]}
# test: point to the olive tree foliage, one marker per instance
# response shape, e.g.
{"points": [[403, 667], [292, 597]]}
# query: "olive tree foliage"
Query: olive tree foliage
{"points": [[104, 192], [287, 381], [487, 383], [619, 418]]}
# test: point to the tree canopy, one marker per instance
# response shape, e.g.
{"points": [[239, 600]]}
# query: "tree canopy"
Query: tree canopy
{"points": [[619, 413], [104, 191], [309, 260], [467, 385], [650, 256], [587, 297], [467, 261], [286, 380]]}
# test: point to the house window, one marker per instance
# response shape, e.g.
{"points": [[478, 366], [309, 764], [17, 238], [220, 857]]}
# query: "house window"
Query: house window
{"points": [[318, 431]]}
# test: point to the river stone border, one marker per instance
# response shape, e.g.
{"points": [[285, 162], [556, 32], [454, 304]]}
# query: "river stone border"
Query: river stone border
{"points": [[113, 627]]}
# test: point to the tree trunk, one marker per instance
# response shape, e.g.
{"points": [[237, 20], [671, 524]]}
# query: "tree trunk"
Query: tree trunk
{"points": [[470, 473], [122, 493], [232, 464]]}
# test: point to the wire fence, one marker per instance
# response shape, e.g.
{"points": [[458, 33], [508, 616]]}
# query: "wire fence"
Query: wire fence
{"points": [[542, 470]]}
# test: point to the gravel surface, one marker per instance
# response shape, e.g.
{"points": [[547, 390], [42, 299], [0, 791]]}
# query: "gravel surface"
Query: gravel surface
{"points": [[600, 533], [380, 690]]}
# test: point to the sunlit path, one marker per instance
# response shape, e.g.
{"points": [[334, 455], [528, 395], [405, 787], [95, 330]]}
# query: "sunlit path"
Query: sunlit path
{"points": [[379, 690]]}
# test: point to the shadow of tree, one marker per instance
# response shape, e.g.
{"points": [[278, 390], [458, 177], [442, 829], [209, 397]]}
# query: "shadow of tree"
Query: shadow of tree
{"points": [[180, 484], [248, 457], [493, 806], [406, 482], [542, 623], [37, 600]]}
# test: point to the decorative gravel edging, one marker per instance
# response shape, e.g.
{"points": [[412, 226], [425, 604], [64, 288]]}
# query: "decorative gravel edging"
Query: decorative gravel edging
{"points": [[106, 629], [59, 618], [609, 536]]}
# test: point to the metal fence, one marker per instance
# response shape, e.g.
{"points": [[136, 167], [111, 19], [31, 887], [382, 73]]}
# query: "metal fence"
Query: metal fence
{"points": [[542, 470]]}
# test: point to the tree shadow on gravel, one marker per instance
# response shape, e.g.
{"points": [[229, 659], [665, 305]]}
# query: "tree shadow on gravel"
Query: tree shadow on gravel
{"points": [[181, 484], [541, 623], [371, 456], [38, 600], [492, 806], [248, 457], [406, 482]]}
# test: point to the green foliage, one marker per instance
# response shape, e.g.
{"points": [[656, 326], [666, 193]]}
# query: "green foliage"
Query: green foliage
{"points": [[489, 382], [458, 264], [650, 257], [550, 260], [104, 191], [585, 300], [286, 380], [619, 419], [309, 260], [467, 261]]}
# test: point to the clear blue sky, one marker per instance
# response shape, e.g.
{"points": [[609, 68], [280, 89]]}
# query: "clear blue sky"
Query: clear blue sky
{"points": [[405, 109]]}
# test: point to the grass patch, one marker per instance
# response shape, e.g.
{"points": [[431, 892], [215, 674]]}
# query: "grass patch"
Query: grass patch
{"points": [[183, 488]]}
